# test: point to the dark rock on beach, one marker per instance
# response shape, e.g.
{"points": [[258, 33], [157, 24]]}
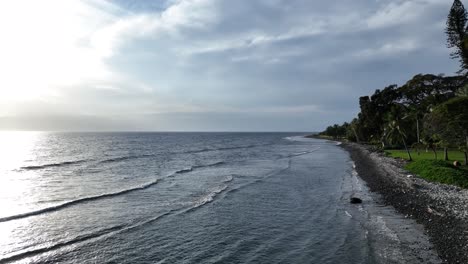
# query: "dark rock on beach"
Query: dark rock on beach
{"points": [[441, 209], [355, 200]]}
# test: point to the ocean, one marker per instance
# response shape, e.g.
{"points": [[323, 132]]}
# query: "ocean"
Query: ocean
{"points": [[179, 198]]}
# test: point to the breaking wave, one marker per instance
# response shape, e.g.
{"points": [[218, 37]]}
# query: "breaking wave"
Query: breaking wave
{"points": [[226, 148], [208, 198], [118, 159], [82, 238], [77, 201], [199, 166], [49, 165], [100, 196]]}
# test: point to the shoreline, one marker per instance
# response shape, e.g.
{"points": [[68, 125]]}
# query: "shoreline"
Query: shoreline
{"points": [[441, 209]]}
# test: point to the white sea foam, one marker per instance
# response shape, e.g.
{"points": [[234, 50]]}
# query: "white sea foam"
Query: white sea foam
{"points": [[298, 138], [208, 198], [228, 178], [305, 152]]}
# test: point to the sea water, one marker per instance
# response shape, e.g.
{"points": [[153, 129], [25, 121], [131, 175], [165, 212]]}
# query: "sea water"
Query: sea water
{"points": [[177, 198]]}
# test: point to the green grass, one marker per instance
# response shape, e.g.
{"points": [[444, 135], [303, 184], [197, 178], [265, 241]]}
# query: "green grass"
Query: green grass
{"points": [[438, 170], [423, 155]]}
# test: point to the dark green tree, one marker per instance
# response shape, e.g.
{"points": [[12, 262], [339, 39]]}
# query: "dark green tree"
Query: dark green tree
{"points": [[463, 91], [424, 91], [457, 37], [373, 111], [353, 132], [450, 121], [336, 131]]}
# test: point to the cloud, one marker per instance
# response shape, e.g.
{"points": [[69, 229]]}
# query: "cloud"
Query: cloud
{"points": [[403, 12], [166, 62], [393, 14], [41, 48], [178, 17], [400, 47]]}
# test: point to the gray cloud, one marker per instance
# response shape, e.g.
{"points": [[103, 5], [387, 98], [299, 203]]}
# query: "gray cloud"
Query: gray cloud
{"points": [[254, 65]]}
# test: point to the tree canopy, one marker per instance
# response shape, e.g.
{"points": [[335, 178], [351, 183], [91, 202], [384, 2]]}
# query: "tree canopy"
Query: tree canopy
{"points": [[411, 106], [430, 110], [457, 36]]}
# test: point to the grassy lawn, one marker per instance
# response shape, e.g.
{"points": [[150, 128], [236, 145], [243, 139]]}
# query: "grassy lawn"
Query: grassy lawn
{"points": [[423, 155], [438, 170]]}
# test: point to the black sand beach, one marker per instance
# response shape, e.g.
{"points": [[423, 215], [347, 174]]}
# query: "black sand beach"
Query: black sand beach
{"points": [[441, 209]]}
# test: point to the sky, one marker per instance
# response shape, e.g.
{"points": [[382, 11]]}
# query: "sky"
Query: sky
{"points": [[209, 65]]}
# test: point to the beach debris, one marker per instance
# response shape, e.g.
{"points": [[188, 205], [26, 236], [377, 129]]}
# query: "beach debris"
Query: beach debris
{"points": [[429, 210], [355, 200], [433, 211]]}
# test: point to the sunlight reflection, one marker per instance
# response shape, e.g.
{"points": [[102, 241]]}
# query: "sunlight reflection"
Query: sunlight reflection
{"points": [[16, 148]]}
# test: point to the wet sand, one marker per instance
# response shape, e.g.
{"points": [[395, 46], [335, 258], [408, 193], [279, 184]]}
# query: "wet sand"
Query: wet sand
{"points": [[432, 218]]}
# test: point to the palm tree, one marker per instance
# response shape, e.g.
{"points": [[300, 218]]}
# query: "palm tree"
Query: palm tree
{"points": [[415, 113], [463, 91], [394, 131], [431, 142]]}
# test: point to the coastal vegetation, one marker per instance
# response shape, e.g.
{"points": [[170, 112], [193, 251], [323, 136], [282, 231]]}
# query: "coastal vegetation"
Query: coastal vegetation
{"points": [[438, 170], [426, 118], [454, 155]]}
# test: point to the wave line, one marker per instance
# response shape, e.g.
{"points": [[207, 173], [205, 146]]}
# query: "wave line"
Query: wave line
{"points": [[226, 148], [77, 201], [83, 238], [49, 165], [187, 170], [117, 159], [77, 239]]}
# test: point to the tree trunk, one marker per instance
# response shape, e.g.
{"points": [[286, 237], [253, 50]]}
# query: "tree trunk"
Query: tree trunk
{"points": [[446, 154], [355, 134], [407, 151], [417, 133], [434, 149], [417, 128], [466, 151]]}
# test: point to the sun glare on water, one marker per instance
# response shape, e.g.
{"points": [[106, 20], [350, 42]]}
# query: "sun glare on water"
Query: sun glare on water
{"points": [[15, 149]]}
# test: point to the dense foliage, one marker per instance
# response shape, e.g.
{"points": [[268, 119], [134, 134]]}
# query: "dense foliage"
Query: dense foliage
{"points": [[429, 111]]}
